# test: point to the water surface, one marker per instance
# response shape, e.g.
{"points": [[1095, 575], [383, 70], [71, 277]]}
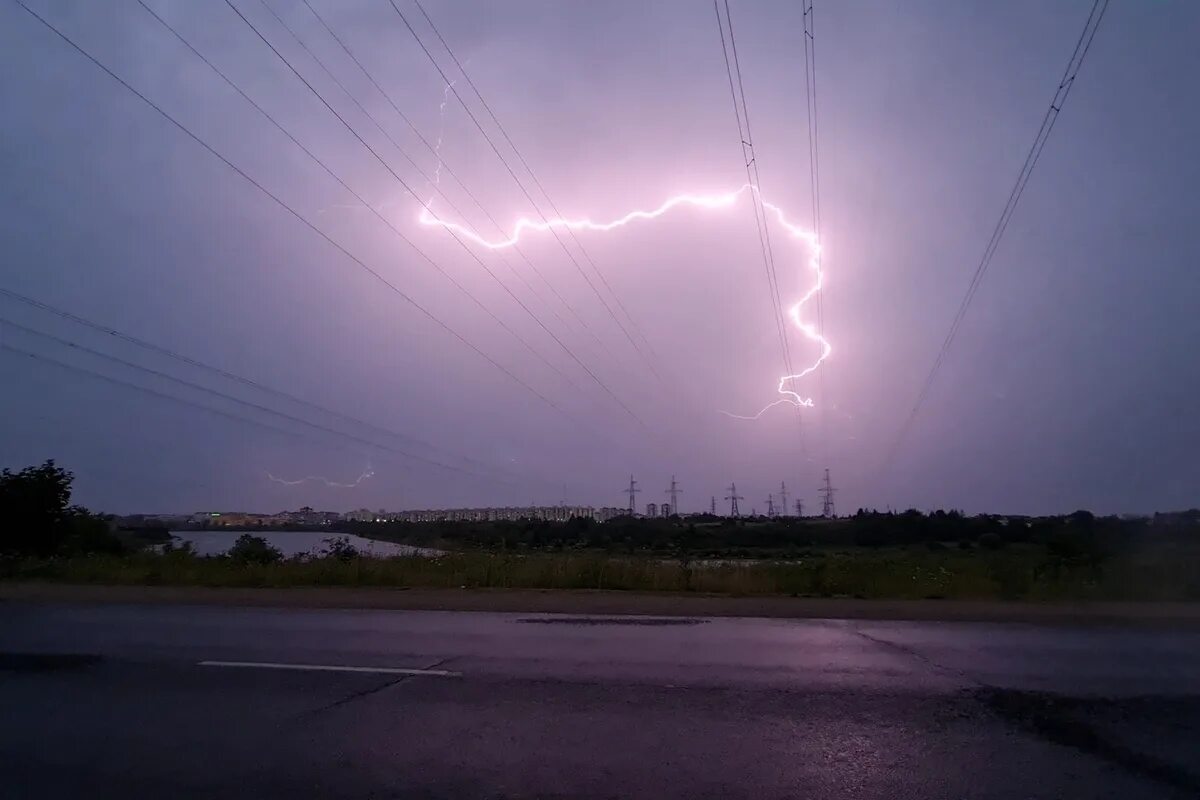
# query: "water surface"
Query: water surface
{"points": [[293, 543]]}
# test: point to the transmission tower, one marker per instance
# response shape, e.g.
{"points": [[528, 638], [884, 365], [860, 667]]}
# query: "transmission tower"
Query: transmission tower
{"points": [[733, 497], [770, 505], [783, 496], [632, 491], [712, 508], [827, 491], [799, 508], [674, 493]]}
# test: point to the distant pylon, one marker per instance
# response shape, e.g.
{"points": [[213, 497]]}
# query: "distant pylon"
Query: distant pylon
{"points": [[713, 506], [674, 493], [827, 509], [770, 505], [799, 508], [783, 496], [632, 490], [733, 497]]}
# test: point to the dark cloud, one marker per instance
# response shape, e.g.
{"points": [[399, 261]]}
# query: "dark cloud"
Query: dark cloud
{"points": [[1071, 384]]}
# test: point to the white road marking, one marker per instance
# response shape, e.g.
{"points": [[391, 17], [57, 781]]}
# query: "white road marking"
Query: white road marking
{"points": [[436, 673]]}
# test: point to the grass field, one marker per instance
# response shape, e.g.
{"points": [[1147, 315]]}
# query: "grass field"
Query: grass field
{"points": [[1014, 573]]}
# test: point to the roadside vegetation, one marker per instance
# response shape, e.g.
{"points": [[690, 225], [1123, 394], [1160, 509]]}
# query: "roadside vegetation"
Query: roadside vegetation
{"points": [[1019, 573], [870, 555]]}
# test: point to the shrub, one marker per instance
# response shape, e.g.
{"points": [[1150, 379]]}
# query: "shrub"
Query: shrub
{"points": [[254, 550], [339, 547], [89, 534]]}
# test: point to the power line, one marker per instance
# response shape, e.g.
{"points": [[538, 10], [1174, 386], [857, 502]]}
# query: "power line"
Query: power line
{"points": [[534, 177], [349, 189], [810, 98], [151, 347], [300, 217], [462, 289], [453, 175], [742, 116], [562, 345], [529, 197], [174, 398], [320, 63], [760, 212], [232, 398], [1082, 45], [147, 390]]}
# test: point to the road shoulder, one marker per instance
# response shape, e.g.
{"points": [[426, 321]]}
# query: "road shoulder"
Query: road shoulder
{"points": [[612, 602]]}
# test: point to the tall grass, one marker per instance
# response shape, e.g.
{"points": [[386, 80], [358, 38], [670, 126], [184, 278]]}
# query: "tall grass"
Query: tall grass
{"points": [[1014, 573]]}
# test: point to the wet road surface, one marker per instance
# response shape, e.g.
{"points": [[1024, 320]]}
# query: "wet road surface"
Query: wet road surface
{"points": [[225, 702]]}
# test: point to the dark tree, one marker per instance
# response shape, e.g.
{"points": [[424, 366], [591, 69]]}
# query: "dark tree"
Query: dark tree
{"points": [[35, 506]]}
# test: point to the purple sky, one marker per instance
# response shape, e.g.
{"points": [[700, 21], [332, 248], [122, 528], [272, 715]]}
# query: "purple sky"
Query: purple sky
{"points": [[1072, 383]]}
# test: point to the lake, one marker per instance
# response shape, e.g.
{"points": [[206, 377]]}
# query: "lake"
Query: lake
{"points": [[293, 543]]}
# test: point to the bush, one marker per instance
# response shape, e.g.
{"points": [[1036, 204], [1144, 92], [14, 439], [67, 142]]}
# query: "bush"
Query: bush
{"points": [[254, 550], [340, 548], [89, 534]]}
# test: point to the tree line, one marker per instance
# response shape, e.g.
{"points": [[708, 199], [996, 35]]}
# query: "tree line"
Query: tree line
{"points": [[1078, 535]]}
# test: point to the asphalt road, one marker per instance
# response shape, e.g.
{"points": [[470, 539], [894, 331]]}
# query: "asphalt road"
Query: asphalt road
{"points": [[194, 702]]}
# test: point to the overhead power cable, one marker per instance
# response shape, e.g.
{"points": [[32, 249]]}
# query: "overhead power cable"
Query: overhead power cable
{"points": [[289, 432], [742, 116], [234, 399], [230, 376], [466, 248], [524, 190], [329, 171], [296, 214], [6, 346], [814, 171], [1082, 45], [533, 175], [446, 168], [396, 146]]}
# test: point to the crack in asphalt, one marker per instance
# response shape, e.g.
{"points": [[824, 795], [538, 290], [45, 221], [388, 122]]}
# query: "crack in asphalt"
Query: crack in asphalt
{"points": [[375, 689], [919, 656]]}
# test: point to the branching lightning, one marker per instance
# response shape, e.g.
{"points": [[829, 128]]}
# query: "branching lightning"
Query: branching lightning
{"points": [[366, 473], [702, 201]]}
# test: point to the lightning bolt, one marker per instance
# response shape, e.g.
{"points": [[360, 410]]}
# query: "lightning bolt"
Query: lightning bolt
{"points": [[437, 147], [708, 202], [367, 473]]}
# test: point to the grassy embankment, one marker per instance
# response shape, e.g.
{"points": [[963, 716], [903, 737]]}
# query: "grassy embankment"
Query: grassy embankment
{"points": [[1012, 573]]}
